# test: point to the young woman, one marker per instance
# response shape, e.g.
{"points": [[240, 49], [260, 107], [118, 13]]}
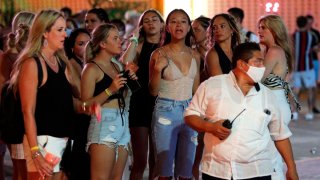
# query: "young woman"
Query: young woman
{"points": [[174, 76], [148, 38], [95, 17], [47, 106], [16, 42], [223, 38], [200, 26], [80, 162], [101, 82], [278, 60]]}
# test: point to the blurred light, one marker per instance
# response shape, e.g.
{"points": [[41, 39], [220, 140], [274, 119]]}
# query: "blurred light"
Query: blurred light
{"points": [[268, 6], [274, 7]]}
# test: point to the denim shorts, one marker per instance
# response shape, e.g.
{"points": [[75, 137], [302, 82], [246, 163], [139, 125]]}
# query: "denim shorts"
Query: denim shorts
{"points": [[112, 130], [175, 143]]}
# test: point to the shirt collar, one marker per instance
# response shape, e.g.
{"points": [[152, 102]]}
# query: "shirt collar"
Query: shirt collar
{"points": [[253, 91]]}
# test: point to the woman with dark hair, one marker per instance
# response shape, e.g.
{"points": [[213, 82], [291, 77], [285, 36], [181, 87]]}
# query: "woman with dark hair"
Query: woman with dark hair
{"points": [[223, 35], [95, 17], [79, 167], [145, 40], [75, 48], [174, 77]]}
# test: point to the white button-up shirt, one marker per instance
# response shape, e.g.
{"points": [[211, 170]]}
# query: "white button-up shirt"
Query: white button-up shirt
{"points": [[245, 153]]}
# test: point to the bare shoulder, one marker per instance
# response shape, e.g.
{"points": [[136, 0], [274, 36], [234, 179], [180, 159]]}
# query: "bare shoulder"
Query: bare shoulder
{"points": [[275, 51]]}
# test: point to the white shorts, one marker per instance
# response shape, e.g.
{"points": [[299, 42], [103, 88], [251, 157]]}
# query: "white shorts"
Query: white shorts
{"points": [[53, 145], [52, 149], [305, 79]]}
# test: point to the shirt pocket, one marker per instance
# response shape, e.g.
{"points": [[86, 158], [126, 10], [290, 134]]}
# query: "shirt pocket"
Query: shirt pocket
{"points": [[254, 124]]}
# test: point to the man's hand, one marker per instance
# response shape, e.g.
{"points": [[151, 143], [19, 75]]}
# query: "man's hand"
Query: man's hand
{"points": [[218, 130], [292, 174]]}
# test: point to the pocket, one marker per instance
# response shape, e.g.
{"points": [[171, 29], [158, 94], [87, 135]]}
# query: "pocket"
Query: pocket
{"points": [[257, 125]]}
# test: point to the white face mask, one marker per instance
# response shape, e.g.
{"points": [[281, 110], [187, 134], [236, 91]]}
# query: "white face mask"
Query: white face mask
{"points": [[256, 73]]}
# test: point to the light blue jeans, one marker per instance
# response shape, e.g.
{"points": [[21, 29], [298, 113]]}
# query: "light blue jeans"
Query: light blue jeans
{"points": [[111, 130], [175, 143]]}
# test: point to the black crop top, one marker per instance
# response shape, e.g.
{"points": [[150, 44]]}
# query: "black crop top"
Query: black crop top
{"points": [[103, 84], [54, 105]]}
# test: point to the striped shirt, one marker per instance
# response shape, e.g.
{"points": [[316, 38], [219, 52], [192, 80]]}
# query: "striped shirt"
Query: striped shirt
{"points": [[303, 43]]}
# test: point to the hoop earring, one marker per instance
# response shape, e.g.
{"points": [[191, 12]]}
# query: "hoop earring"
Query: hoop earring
{"points": [[45, 43]]}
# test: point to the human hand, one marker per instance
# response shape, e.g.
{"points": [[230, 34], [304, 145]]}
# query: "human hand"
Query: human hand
{"points": [[160, 64], [218, 130], [44, 167], [117, 83], [292, 174]]}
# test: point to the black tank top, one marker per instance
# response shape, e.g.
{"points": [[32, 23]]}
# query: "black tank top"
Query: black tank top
{"points": [[54, 109], [224, 61], [103, 84]]}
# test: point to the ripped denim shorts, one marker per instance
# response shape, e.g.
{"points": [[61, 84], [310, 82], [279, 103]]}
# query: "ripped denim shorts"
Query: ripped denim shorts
{"points": [[112, 130]]}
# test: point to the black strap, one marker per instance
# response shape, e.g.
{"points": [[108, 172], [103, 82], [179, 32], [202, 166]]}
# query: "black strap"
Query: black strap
{"points": [[40, 72]]}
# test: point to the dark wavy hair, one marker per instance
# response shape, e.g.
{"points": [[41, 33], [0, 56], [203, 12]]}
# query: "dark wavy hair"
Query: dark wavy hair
{"points": [[235, 39], [142, 33], [190, 34], [71, 40]]}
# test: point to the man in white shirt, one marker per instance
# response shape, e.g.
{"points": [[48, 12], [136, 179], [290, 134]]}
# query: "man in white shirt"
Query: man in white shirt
{"points": [[242, 150], [245, 34]]}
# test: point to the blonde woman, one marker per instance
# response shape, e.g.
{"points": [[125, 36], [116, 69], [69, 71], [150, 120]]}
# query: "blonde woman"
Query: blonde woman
{"points": [[278, 60], [102, 82], [47, 106], [16, 42]]}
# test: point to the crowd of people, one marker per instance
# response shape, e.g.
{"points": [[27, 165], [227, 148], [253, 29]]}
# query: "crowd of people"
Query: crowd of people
{"points": [[203, 98]]}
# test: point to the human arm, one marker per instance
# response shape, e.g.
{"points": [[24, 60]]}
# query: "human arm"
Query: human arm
{"points": [[200, 125], [73, 78], [285, 149], [27, 87], [89, 77], [156, 65], [211, 63], [133, 50], [197, 111]]}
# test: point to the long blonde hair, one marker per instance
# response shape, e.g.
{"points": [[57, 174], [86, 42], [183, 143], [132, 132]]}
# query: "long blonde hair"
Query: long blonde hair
{"points": [[99, 34], [42, 23], [280, 34]]}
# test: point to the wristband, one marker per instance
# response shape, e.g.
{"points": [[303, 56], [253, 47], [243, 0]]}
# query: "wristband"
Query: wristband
{"points": [[108, 92], [35, 155], [35, 148], [134, 40]]}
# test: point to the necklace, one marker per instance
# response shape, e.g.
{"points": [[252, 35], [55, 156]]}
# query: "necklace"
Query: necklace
{"points": [[54, 64], [179, 52]]}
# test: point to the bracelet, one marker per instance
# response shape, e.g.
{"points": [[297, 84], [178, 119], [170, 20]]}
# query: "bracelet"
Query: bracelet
{"points": [[108, 92], [134, 40], [35, 148], [35, 155], [84, 104]]}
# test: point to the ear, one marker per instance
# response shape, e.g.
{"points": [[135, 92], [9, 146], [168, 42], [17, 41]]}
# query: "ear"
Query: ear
{"points": [[242, 65], [103, 44], [45, 35]]}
